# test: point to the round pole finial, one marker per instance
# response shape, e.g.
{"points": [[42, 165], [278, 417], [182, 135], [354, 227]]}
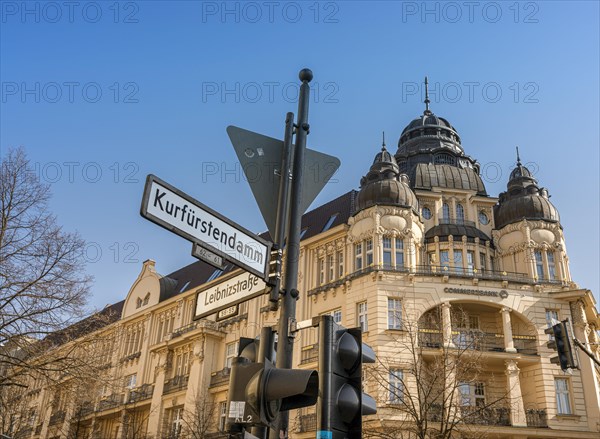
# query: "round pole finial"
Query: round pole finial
{"points": [[305, 75]]}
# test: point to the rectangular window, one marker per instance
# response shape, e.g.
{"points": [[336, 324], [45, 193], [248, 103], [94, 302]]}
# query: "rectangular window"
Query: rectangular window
{"points": [[182, 364], [396, 386], [470, 262], [539, 264], [387, 252], [482, 264], [330, 268], [340, 260], [394, 313], [358, 256], [130, 381], [222, 415], [337, 316], [361, 309], [399, 253], [472, 394], [563, 398], [458, 261], [321, 271], [444, 258], [176, 422], [431, 258], [230, 353], [551, 265], [369, 252]]}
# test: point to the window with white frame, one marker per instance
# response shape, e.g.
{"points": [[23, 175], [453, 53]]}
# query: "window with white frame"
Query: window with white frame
{"points": [[361, 313], [470, 261], [563, 396], [230, 353], [222, 415], [396, 386], [482, 264], [472, 394], [551, 265], [182, 364], [539, 264], [130, 381], [175, 422], [369, 252], [460, 214], [399, 252], [330, 268], [336, 314], [394, 313], [387, 251], [340, 262], [446, 212], [358, 256], [458, 261], [321, 271]]}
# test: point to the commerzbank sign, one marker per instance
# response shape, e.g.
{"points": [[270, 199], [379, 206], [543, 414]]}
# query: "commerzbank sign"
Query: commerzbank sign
{"points": [[238, 289]]}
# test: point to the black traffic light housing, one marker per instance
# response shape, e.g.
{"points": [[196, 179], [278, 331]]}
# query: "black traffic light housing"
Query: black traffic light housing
{"points": [[258, 392], [562, 345], [342, 402]]}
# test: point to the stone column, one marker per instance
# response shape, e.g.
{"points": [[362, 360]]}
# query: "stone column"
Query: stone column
{"points": [[447, 325], [197, 395], [591, 388], [515, 397], [509, 344], [156, 404]]}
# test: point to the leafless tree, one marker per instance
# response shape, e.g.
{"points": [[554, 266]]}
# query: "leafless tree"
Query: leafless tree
{"points": [[200, 419], [422, 386], [43, 287]]}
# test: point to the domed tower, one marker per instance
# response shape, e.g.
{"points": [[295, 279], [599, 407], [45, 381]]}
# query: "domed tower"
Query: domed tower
{"points": [[455, 208], [385, 229], [528, 236]]}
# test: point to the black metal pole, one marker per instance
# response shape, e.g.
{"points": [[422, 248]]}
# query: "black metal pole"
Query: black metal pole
{"points": [[285, 341], [281, 222]]}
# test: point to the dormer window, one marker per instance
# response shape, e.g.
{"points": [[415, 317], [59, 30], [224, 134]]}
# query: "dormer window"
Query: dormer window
{"points": [[138, 302], [146, 299]]}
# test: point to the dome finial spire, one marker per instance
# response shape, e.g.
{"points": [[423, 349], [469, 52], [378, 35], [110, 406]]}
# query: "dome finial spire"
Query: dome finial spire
{"points": [[427, 101], [383, 142], [518, 158]]}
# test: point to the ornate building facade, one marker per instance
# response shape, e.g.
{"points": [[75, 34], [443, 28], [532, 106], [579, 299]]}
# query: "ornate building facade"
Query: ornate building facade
{"points": [[421, 251]]}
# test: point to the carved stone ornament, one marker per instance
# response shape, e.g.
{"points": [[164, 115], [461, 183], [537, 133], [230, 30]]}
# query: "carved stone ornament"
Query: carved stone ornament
{"points": [[578, 312]]}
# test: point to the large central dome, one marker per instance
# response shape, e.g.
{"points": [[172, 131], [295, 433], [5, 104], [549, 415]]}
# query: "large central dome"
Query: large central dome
{"points": [[431, 154]]}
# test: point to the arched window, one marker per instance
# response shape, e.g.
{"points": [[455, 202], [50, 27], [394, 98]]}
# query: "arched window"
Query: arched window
{"points": [[446, 213], [460, 214]]}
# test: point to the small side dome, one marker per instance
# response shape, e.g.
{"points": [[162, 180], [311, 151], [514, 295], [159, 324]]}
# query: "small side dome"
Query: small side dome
{"points": [[383, 185], [524, 199]]}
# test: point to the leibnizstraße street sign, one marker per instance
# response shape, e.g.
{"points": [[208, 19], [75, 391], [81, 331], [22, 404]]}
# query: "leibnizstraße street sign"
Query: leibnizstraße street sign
{"points": [[228, 293], [176, 211]]}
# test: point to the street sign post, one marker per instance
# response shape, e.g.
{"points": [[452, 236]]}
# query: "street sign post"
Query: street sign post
{"points": [[235, 290], [176, 211]]}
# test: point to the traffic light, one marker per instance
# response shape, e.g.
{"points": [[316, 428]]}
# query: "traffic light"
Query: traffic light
{"points": [[561, 344], [342, 402], [258, 392]]}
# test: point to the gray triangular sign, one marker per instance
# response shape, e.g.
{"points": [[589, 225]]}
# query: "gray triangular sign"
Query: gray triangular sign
{"points": [[260, 158]]}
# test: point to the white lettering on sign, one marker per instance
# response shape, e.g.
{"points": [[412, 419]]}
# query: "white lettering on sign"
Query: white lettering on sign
{"points": [[237, 289], [181, 214]]}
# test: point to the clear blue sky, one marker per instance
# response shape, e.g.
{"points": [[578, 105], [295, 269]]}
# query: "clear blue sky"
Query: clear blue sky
{"points": [[102, 94]]}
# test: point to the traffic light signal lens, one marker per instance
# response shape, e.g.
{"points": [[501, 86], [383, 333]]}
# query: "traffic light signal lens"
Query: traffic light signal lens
{"points": [[349, 352]]}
